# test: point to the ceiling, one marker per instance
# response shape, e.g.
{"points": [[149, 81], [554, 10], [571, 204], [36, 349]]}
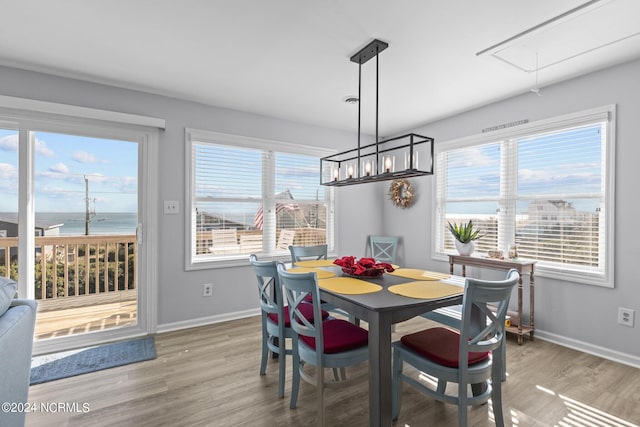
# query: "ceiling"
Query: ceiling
{"points": [[290, 58]]}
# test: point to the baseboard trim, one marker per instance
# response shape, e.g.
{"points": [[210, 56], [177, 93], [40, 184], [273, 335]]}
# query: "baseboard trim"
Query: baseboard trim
{"points": [[605, 353], [204, 321]]}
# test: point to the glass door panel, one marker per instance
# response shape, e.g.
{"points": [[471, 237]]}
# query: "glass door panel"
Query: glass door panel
{"points": [[86, 213], [9, 203]]}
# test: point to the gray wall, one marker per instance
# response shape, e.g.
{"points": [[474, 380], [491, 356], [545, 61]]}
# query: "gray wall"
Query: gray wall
{"points": [[180, 301], [565, 311], [577, 315]]}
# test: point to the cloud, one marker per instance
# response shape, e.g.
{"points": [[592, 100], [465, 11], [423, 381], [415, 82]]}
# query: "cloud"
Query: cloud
{"points": [[84, 157], [10, 143], [7, 171], [59, 168], [472, 157], [41, 148]]}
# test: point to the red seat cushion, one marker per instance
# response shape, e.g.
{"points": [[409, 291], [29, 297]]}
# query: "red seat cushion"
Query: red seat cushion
{"points": [[305, 309], [440, 345], [339, 335]]}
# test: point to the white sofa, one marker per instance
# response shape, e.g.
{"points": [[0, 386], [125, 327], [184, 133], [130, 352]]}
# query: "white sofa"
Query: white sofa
{"points": [[17, 325]]}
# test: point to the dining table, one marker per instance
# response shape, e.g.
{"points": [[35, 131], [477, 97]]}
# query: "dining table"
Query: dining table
{"points": [[381, 309]]}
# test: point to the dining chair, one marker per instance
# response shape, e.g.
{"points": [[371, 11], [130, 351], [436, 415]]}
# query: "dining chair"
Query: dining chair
{"points": [[384, 248], [301, 253], [224, 241], [465, 357], [334, 343], [276, 326], [250, 243], [316, 252], [286, 239]]}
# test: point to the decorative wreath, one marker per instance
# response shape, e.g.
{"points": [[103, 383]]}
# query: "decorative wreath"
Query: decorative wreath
{"points": [[401, 193]]}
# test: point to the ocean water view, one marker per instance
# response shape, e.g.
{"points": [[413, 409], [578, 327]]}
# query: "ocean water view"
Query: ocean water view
{"points": [[73, 223]]}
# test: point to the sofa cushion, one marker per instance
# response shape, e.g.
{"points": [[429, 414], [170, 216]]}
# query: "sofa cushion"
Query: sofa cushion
{"points": [[7, 293]]}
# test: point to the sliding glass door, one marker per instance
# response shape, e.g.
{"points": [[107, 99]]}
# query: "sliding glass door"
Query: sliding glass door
{"points": [[70, 229]]}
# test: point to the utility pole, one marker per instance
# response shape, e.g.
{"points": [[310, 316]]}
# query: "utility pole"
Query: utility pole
{"points": [[86, 199]]}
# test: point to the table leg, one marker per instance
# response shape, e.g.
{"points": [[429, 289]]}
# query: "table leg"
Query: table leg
{"points": [[520, 310], [380, 369], [532, 291]]}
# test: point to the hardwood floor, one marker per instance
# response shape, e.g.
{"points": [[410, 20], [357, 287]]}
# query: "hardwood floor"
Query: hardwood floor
{"points": [[208, 376]]}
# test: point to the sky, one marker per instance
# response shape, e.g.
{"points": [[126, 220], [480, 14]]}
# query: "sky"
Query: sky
{"points": [[550, 166], [61, 164]]}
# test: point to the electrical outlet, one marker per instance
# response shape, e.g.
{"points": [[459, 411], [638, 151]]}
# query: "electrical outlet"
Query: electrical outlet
{"points": [[625, 316], [171, 207], [207, 290]]}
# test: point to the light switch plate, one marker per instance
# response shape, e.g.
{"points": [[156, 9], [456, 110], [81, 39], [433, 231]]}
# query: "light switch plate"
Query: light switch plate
{"points": [[171, 207]]}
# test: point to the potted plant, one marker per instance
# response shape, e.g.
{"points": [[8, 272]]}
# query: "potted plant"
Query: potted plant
{"points": [[465, 236]]}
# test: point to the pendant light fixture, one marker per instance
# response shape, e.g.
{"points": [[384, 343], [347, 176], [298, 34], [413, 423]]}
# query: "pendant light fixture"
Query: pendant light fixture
{"points": [[394, 158]]}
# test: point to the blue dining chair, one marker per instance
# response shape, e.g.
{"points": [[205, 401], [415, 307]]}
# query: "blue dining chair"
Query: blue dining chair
{"points": [[334, 343], [470, 356], [316, 252], [275, 320], [301, 253], [384, 248]]}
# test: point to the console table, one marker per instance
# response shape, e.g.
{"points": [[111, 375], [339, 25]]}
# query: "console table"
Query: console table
{"points": [[523, 266]]}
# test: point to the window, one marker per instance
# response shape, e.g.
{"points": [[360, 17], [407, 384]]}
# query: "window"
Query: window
{"points": [[252, 196], [545, 186]]}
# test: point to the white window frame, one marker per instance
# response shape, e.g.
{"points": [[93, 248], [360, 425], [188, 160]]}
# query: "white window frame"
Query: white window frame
{"points": [[605, 113], [239, 141]]}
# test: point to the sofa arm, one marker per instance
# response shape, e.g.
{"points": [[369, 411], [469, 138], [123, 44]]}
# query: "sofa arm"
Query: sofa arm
{"points": [[16, 344]]}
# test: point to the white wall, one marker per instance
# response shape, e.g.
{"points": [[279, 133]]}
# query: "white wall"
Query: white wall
{"points": [[577, 315], [180, 301]]}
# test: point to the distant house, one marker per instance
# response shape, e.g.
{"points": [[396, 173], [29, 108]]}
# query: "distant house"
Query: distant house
{"points": [[552, 212], [9, 226]]}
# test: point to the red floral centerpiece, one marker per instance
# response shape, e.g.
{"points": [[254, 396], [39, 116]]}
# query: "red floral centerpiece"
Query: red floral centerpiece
{"points": [[364, 267]]}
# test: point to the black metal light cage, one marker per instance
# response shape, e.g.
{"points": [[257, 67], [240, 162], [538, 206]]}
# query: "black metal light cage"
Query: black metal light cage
{"points": [[381, 160]]}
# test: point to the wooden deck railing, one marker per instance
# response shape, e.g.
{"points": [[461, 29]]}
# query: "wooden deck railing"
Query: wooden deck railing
{"points": [[303, 237], [76, 265]]}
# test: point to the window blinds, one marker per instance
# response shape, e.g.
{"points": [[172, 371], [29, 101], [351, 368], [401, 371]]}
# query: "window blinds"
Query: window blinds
{"points": [[544, 190], [260, 200]]}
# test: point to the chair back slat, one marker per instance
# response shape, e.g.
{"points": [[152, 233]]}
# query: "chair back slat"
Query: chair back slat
{"points": [[384, 248], [297, 288], [301, 253], [479, 294], [269, 288]]}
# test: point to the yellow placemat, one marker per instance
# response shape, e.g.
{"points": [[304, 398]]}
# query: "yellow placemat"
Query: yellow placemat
{"points": [[348, 285], [315, 263], [426, 289], [417, 274], [322, 274]]}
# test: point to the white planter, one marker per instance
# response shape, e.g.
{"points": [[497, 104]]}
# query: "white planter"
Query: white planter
{"points": [[465, 249]]}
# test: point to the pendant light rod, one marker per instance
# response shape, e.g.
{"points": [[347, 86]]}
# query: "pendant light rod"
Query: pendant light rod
{"points": [[371, 50], [359, 109], [377, 138]]}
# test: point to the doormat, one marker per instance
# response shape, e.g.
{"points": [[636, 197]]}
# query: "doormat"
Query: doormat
{"points": [[82, 361]]}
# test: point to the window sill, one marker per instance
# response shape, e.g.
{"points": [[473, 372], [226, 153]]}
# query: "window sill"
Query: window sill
{"points": [[233, 261]]}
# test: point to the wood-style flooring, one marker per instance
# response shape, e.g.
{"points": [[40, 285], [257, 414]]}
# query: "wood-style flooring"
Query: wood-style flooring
{"points": [[208, 376]]}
